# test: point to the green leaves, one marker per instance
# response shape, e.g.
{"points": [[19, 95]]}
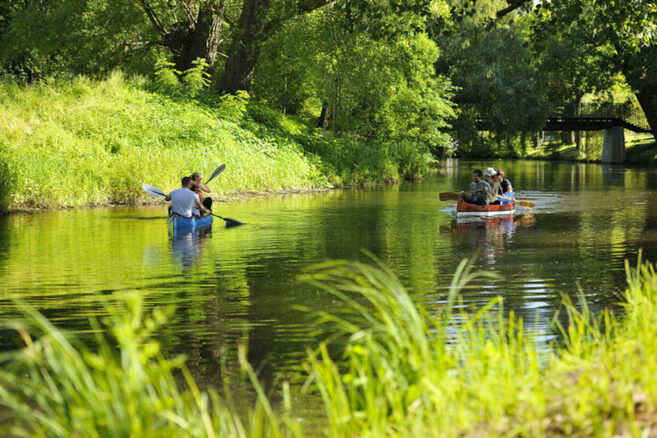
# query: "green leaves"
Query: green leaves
{"points": [[187, 84]]}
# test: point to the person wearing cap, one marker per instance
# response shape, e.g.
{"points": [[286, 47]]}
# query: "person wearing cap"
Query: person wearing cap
{"points": [[491, 178], [479, 189]]}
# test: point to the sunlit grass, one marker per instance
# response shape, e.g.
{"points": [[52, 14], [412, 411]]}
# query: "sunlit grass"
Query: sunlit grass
{"points": [[57, 386], [403, 372], [83, 142], [406, 375]]}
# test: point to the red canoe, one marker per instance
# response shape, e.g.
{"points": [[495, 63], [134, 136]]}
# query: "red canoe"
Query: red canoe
{"points": [[466, 209]]}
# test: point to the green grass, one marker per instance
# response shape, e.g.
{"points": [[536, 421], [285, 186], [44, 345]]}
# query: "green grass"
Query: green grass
{"points": [[403, 372], [56, 386], [82, 142], [641, 148]]}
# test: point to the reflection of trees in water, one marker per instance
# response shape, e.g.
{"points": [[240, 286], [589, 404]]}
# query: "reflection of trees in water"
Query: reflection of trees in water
{"points": [[4, 237]]}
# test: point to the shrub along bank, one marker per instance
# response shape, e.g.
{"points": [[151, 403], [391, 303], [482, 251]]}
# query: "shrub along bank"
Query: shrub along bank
{"points": [[79, 142]]}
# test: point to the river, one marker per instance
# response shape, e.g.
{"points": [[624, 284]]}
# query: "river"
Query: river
{"points": [[240, 283]]}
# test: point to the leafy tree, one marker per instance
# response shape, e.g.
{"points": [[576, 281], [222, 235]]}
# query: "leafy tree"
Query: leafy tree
{"points": [[377, 87], [624, 40], [488, 58], [570, 65]]}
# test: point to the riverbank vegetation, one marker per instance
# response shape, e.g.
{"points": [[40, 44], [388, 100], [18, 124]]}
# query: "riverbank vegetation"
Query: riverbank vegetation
{"points": [[83, 142], [402, 371]]}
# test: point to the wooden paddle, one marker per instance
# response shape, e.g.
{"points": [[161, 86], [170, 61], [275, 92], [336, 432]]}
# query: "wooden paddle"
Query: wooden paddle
{"points": [[454, 196], [154, 191], [449, 196]]}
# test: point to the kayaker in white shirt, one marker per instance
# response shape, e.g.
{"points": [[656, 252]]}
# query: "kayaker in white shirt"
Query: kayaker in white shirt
{"points": [[184, 199]]}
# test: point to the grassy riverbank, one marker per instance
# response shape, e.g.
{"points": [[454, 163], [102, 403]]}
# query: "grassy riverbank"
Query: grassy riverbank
{"points": [[82, 142], [403, 372], [639, 149]]}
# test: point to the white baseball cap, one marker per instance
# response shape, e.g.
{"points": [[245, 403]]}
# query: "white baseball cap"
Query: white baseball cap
{"points": [[490, 172]]}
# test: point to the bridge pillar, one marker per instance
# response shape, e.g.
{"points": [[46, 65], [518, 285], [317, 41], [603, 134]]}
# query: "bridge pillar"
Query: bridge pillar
{"points": [[613, 147]]}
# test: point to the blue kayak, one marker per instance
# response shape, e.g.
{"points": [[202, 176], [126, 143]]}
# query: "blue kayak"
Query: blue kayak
{"points": [[179, 225]]}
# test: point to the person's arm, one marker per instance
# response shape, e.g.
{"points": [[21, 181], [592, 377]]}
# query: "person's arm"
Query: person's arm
{"points": [[203, 187], [201, 207], [509, 188]]}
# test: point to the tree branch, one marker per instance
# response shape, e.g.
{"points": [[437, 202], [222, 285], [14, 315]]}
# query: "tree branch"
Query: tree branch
{"points": [[305, 6], [513, 5], [189, 12], [153, 17]]}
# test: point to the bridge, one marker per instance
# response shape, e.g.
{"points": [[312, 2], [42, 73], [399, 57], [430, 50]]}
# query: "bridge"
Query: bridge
{"points": [[612, 118]]}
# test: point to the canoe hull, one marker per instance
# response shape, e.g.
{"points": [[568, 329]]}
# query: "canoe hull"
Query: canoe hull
{"points": [[180, 225], [465, 209]]}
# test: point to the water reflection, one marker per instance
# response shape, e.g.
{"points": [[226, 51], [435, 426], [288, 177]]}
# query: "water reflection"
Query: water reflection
{"points": [[188, 247], [488, 235]]}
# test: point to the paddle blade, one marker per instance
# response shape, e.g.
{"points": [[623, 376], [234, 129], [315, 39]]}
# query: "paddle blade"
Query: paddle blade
{"points": [[449, 196], [526, 204], [216, 173], [154, 191], [229, 222]]}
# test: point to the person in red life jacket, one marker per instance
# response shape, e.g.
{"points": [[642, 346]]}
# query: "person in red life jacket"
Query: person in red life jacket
{"points": [[200, 188]]}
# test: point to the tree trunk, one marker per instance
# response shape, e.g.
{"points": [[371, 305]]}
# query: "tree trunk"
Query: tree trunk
{"points": [[567, 136], [190, 41], [641, 74], [322, 120], [253, 28], [243, 55], [647, 98]]}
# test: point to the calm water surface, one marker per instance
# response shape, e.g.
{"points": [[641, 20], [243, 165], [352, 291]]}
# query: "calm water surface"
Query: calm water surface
{"points": [[240, 283]]}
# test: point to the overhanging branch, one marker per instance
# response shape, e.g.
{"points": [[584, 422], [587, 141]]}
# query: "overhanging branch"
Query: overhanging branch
{"points": [[513, 5]]}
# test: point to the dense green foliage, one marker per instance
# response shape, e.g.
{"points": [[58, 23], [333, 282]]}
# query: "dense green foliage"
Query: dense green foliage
{"points": [[82, 142], [403, 372]]}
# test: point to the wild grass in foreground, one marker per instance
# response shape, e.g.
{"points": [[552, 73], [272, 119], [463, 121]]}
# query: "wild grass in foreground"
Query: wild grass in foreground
{"points": [[406, 373], [403, 372], [57, 387]]}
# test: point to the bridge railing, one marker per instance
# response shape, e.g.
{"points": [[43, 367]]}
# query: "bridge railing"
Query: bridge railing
{"points": [[625, 112]]}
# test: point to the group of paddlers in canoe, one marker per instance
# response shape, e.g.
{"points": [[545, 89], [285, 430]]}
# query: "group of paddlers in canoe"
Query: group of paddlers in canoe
{"points": [[489, 188]]}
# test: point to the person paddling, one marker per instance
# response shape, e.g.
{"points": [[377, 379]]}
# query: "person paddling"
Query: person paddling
{"points": [[479, 189], [505, 183], [200, 188], [184, 199], [506, 189]]}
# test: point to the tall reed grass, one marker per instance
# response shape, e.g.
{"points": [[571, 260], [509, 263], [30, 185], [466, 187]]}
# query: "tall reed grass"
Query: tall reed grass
{"points": [[6, 180], [57, 386], [407, 373], [403, 372]]}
